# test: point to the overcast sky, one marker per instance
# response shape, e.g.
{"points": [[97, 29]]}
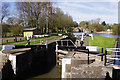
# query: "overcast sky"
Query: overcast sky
{"points": [[85, 10]]}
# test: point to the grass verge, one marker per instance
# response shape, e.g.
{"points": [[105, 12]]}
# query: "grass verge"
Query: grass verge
{"points": [[38, 41], [101, 41], [5, 43]]}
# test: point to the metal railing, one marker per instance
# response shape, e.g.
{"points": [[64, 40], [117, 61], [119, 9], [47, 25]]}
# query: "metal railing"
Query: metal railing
{"points": [[62, 43], [111, 57]]}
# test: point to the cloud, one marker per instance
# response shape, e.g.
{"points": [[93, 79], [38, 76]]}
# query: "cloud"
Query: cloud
{"points": [[87, 11], [85, 0], [60, 0], [85, 17], [93, 6]]}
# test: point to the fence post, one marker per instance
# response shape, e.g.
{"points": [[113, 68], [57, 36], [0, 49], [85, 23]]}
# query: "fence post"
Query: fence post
{"points": [[57, 54], [2, 41], [101, 57], [114, 61], [46, 45], [7, 40], [67, 42], [102, 49], [88, 56], [105, 58]]}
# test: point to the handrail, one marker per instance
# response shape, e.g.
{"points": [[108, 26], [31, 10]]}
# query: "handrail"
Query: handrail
{"points": [[95, 55], [113, 55], [113, 50], [67, 42], [113, 58]]}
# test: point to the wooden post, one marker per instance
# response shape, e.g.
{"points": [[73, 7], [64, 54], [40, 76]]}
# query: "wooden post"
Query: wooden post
{"points": [[15, 39], [102, 55], [46, 43], [114, 61], [102, 49], [105, 58], [67, 42], [88, 56], [2, 41], [62, 43], [7, 40], [57, 53]]}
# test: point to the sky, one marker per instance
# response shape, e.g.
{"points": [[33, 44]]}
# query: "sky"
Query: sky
{"points": [[106, 10], [86, 11]]}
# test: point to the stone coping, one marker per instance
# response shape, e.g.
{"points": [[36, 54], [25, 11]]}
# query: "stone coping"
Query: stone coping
{"points": [[14, 51]]}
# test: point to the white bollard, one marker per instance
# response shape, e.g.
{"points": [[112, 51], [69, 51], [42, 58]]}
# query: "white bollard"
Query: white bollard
{"points": [[91, 35]]}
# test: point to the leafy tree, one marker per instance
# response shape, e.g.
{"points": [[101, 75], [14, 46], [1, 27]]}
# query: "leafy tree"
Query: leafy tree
{"points": [[5, 29], [84, 24], [103, 23], [75, 24], [116, 29], [16, 29], [96, 27]]}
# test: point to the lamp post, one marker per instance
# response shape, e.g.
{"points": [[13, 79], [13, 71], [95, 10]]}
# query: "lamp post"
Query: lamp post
{"points": [[15, 38]]}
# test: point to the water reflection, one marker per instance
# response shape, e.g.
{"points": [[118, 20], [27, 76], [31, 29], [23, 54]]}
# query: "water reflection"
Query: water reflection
{"points": [[101, 34], [54, 73], [107, 35]]}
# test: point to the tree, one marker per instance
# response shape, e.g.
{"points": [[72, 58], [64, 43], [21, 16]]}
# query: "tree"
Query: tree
{"points": [[5, 29], [62, 22], [44, 16], [116, 29], [84, 24], [75, 24], [5, 10], [15, 25], [32, 13], [96, 21], [103, 23], [16, 30], [96, 27]]}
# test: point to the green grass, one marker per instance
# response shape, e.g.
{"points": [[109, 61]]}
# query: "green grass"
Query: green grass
{"points": [[5, 43], [38, 38], [55, 34], [101, 41], [38, 41]]}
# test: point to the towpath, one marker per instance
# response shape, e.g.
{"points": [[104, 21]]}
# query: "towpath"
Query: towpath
{"points": [[30, 40]]}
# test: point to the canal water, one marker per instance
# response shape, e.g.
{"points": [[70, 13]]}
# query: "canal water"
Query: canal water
{"points": [[101, 34], [107, 35], [54, 73]]}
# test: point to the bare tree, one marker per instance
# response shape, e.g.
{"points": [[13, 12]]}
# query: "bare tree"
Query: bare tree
{"points": [[5, 11], [43, 16]]}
